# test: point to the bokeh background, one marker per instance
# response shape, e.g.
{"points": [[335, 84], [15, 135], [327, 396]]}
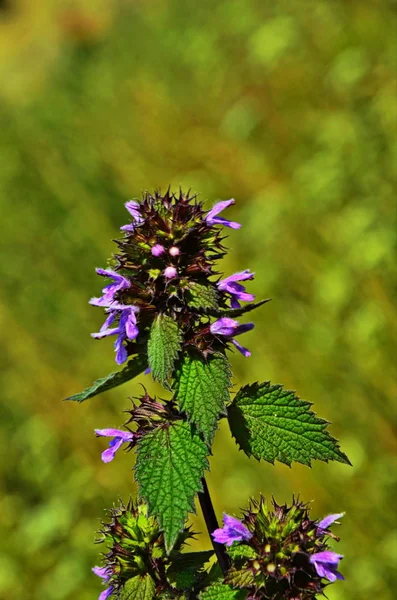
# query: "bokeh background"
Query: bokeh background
{"points": [[287, 106]]}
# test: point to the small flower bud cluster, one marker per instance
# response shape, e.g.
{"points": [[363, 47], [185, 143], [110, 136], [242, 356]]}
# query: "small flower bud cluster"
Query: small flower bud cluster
{"points": [[166, 265], [279, 553]]}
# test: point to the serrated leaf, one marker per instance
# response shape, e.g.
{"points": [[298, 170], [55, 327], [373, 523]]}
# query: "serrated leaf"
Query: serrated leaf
{"points": [[203, 296], [241, 551], [271, 423], [186, 569], [221, 591], [239, 578], [237, 312], [133, 368], [163, 347], [138, 588], [170, 463], [202, 390]]}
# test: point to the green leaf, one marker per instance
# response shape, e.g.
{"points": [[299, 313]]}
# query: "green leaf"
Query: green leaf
{"points": [[202, 389], [241, 551], [163, 347], [220, 591], [170, 464], [133, 368], [186, 569], [240, 578], [271, 423], [203, 296], [237, 312], [138, 588]]}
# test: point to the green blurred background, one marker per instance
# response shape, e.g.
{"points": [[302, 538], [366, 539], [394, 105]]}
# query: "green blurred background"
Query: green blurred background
{"points": [[287, 106]]}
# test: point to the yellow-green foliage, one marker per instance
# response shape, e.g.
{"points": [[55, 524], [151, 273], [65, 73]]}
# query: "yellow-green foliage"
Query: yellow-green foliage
{"points": [[287, 106]]}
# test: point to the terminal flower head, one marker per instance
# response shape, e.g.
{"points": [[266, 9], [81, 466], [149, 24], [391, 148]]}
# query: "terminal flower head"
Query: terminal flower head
{"points": [[282, 551], [119, 438], [233, 530], [164, 266]]}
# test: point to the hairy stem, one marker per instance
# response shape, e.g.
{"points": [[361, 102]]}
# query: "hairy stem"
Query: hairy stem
{"points": [[212, 524]]}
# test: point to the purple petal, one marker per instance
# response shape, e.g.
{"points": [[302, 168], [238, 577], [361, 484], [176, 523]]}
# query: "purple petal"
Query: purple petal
{"points": [[128, 324], [327, 557], [219, 207], [234, 303], [109, 454], [221, 536], [244, 351], [236, 526], [326, 564], [174, 251], [113, 275], [224, 326], [105, 333], [108, 321], [232, 531], [126, 436], [128, 227], [212, 219], [106, 593], [240, 276], [158, 250], [224, 222], [121, 351], [102, 572], [243, 328], [327, 521], [134, 208]]}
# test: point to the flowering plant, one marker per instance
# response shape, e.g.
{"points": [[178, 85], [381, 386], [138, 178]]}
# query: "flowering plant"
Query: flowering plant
{"points": [[174, 317]]}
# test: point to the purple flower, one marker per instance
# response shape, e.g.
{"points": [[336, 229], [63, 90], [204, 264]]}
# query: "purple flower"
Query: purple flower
{"points": [[134, 210], [126, 329], [327, 521], [212, 219], [326, 564], [229, 328], [170, 272], [119, 438], [236, 290], [104, 573], [120, 283], [158, 250], [232, 531]]}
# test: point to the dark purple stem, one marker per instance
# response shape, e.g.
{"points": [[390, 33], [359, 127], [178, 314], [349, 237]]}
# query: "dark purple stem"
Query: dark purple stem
{"points": [[212, 524]]}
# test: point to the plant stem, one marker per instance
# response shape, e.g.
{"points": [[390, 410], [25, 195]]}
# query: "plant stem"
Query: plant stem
{"points": [[212, 524]]}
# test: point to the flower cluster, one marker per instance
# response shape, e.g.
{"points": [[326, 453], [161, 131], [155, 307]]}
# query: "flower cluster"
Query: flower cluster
{"points": [[281, 553], [166, 265], [135, 547]]}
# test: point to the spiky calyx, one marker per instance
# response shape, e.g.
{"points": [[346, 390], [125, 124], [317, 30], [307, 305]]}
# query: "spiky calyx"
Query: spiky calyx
{"points": [[275, 563]]}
